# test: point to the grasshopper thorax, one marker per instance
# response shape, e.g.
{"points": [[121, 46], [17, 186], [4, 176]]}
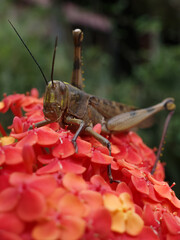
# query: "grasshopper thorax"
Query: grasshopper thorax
{"points": [[55, 100]]}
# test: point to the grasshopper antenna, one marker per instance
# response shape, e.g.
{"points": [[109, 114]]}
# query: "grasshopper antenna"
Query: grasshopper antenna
{"points": [[53, 61], [29, 52]]}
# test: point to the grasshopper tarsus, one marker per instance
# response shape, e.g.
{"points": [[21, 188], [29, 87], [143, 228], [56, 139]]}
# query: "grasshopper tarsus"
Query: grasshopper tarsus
{"points": [[111, 180]]}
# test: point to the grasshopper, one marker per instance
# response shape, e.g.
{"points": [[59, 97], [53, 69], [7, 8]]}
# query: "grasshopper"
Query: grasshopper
{"points": [[69, 105]]}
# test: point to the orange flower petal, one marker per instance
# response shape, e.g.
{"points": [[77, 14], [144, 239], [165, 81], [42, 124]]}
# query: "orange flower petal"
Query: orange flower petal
{"points": [[71, 205], [163, 191], [46, 231], [126, 201], [6, 140], [72, 228], [74, 182], [92, 199], [134, 223], [55, 197], [111, 202], [118, 222]]}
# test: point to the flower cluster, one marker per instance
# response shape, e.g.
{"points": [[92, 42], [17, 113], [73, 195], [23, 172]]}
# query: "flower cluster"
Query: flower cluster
{"points": [[50, 192]]}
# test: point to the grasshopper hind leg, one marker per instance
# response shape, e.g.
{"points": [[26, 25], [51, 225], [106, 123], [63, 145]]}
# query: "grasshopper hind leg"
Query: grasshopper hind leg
{"points": [[106, 143]]}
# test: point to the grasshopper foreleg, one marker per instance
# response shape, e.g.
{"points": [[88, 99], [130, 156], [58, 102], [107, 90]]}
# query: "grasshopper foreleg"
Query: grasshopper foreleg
{"points": [[106, 143], [81, 124], [40, 124]]}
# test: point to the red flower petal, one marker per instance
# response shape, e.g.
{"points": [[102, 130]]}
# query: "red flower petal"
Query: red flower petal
{"points": [[97, 128], [11, 223], [172, 224], [13, 155], [102, 223], [84, 148], [46, 136], [29, 158], [17, 125], [133, 157], [163, 190], [64, 149], [31, 205], [147, 233], [101, 158], [4, 235], [123, 187], [43, 184], [9, 198], [140, 184], [2, 156], [30, 139], [148, 216]]}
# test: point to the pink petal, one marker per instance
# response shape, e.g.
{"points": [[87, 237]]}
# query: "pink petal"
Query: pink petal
{"points": [[74, 182]]}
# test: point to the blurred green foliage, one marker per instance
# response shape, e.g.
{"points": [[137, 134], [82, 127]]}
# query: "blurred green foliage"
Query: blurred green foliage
{"points": [[154, 73]]}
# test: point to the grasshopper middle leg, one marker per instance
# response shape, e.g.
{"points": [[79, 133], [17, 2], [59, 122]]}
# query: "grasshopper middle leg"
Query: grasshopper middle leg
{"points": [[106, 143]]}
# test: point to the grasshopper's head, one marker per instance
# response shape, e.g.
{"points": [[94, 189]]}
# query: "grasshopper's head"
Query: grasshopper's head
{"points": [[55, 100]]}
